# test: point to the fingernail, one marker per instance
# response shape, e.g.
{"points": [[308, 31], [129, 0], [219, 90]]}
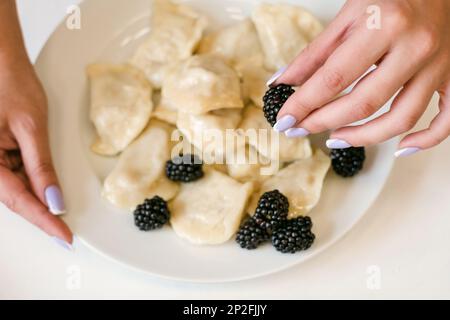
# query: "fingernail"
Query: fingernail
{"points": [[407, 152], [63, 243], [275, 77], [55, 201], [296, 133], [285, 123], [337, 144]]}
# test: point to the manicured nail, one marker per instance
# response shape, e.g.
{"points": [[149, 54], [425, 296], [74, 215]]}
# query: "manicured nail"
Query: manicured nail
{"points": [[275, 77], [55, 201], [285, 123], [63, 243], [296, 133], [337, 144], [407, 152]]}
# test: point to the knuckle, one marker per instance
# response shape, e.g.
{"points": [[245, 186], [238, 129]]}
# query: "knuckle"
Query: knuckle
{"points": [[406, 123], [428, 40], [12, 201], [43, 168], [364, 110], [397, 15], [334, 80], [31, 123]]}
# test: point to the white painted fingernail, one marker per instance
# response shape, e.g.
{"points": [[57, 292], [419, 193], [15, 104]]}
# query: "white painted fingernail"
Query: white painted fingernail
{"points": [[407, 152], [276, 76], [338, 144], [296, 133], [55, 201], [285, 123], [63, 243]]}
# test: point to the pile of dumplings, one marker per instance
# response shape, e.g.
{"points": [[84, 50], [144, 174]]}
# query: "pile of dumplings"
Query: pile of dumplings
{"points": [[184, 77]]}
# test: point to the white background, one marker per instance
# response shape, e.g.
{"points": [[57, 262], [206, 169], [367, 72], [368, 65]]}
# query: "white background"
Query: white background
{"points": [[401, 248]]}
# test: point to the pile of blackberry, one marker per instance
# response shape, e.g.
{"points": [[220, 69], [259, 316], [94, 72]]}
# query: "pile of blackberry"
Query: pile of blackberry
{"points": [[184, 168], [274, 99], [348, 162], [270, 222], [152, 214]]}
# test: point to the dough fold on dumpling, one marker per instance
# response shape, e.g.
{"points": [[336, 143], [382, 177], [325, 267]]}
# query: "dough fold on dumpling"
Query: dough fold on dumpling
{"points": [[269, 143], [301, 182], [121, 106], [175, 32], [239, 45], [284, 31], [201, 84], [249, 166], [139, 173], [209, 210], [207, 132]]}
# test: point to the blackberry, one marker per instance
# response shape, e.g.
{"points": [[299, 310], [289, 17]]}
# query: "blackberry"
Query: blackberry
{"points": [[274, 99], [152, 214], [348, 162], [272, 210], [251, 235], [293, 235], [184, 168]]}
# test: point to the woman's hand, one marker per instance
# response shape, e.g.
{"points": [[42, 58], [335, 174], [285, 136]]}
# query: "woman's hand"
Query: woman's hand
{"points": [[411, 49], [28, 182]]}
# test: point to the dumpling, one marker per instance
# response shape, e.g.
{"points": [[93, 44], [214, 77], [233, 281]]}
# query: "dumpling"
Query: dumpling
{"points": [[282, 149], [201, 84], [301, 182], [253, 85], [209, 210], [284, 31], [207, 132], [175, 33], [139, 173], [238, 45], [249, 166], [121, 106]]}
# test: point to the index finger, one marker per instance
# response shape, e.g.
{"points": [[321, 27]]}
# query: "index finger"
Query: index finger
{"points": [[15, 195]]}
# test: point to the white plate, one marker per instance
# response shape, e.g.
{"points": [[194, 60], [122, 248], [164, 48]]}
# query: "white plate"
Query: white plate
{"points": [[110, 31]]}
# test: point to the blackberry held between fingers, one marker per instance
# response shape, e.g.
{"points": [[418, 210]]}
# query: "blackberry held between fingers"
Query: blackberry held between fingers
{"points": [[251, 235], [293, 235], [184, 168], [152, 214], [348, 162], [273, 208], [274, 99]]}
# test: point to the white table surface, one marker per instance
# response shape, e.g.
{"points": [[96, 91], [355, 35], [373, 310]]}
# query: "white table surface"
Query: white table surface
{"points": [[401, 248]]}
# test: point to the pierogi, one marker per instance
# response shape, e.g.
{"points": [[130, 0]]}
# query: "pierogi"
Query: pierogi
{"points": [[301, 182], [249, 166], [139, 173], [175, 32], [209, 210], [239, 45], [207, 132], [284, 31], [201, 84], [121, 105]]}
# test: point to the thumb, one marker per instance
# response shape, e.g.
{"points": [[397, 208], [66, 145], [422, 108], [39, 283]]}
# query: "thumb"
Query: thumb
{"points": [[32, 137]]}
